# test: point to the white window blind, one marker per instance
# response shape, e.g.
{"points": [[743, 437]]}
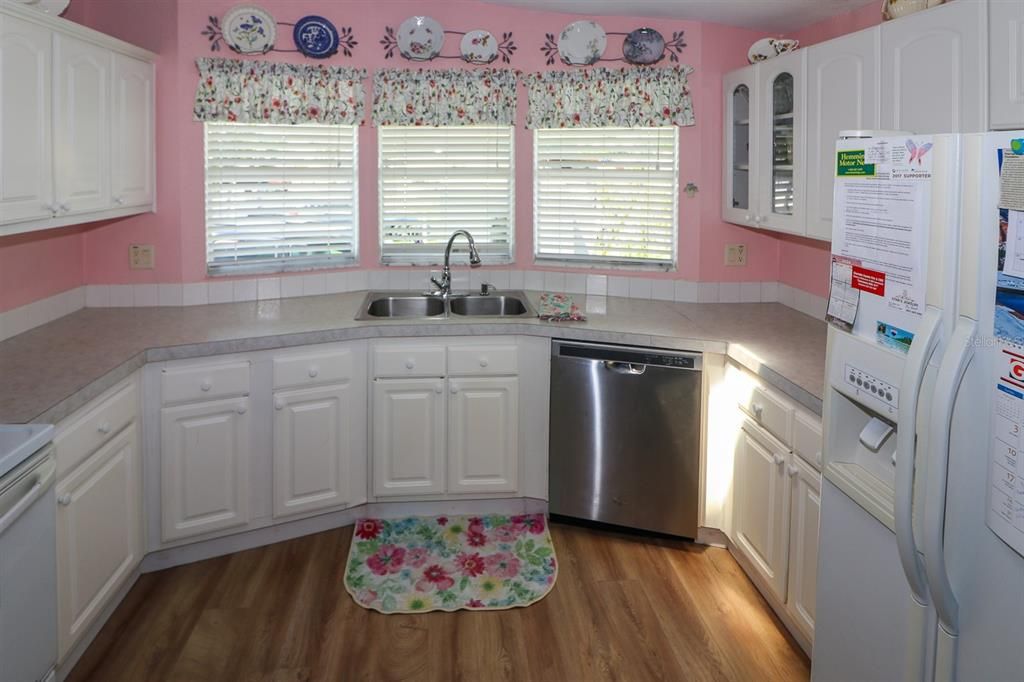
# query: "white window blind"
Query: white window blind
{"points": [[437, 180], [280, 197], [606, 195]]}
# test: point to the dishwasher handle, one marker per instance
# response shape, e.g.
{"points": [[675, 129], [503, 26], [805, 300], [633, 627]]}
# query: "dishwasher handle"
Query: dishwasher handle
{"points": [[630, 368], [42, 478]]}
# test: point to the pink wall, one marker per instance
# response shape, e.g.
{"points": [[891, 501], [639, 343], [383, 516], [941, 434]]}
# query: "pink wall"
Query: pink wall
{"points": [[35, 266], [804, 263]]}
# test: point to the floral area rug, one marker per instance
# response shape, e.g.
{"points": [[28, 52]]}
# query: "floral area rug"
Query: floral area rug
{"points": [[446, 563]]}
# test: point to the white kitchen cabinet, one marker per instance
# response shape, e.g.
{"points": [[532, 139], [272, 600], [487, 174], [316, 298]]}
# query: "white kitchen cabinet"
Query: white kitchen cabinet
{"points": [[780, 139], [316, 437], [26, 167], [99, 541], [842, 94], [131, 136], [1006, 64], [81, 125], [204, 473], [934, 70], [483, 434], [805, 511], [761, 507], [409, 436], [740, 170]]}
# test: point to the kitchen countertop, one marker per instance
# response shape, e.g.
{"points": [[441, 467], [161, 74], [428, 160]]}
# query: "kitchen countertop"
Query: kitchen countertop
{"points": [[50, 371]]}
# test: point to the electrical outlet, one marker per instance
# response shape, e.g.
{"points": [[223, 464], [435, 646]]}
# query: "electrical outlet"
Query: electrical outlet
{"points": [[140, 256], [736, 254]]}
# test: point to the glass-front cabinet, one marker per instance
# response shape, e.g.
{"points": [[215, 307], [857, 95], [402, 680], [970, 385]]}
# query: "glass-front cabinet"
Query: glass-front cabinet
{"points": [[764, 140]]}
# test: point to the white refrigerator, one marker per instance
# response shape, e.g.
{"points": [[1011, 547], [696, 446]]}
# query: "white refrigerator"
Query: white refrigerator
{"points": [[921, 563]]}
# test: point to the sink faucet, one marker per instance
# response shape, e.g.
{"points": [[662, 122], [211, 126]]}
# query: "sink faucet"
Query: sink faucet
{"points": [[444, 285]]}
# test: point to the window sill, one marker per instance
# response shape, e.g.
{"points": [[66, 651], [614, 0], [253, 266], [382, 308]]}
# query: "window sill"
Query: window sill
{"points": [[277, 268], [611, 265]]}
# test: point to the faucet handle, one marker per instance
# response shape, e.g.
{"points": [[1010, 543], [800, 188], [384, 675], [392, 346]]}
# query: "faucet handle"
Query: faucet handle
{"points": [[436, 283]]}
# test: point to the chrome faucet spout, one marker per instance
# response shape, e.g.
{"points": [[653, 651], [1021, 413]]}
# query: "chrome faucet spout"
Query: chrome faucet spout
{"points": [[444, 285]]}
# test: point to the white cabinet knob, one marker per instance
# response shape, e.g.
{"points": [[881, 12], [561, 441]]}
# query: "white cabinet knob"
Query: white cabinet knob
{"points": [[758, 219], [103, 428], [278, 403], [313, 371], [758, 410], [206, 385], [778, 459], [817, 456], [747, 217], [438, 388], [484, 362], [242, 409], [64, 500], [453, 388], [119, 201], [410, 363], [791, 470]]}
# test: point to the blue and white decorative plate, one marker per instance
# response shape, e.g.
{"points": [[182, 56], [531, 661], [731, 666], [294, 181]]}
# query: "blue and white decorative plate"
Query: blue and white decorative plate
{"points": [[643, 46], [315, 37], [249, 29]]}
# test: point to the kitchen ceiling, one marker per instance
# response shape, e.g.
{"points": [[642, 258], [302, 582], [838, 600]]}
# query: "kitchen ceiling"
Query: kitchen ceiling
{"points": [[767, 15]]}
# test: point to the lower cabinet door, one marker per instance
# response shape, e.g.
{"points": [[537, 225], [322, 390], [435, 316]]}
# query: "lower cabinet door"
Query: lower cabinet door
{"points": [[204, 467], [805, 487], [483, 430], [408, 436], [761, 509], [315, 439], [99, 540]]}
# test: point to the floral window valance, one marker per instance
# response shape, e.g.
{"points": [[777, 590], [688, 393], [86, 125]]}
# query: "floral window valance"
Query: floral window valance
{"points": [[426, 97], [272, 92], [626, 98]]}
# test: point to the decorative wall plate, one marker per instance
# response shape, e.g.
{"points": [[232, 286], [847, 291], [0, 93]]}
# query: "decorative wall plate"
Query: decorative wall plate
{"points": [[582, 43], [766, 48], [479, 47], [420, 38], [643, 46], [315, 37], [249, 29]]}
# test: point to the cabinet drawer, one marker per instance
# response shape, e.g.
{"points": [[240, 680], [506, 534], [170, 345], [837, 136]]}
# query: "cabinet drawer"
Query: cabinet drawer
{"points": [[807, 439], [96, 426], [488, 360], [408, 361], [307, 369], [205, 382], [771, 412]]}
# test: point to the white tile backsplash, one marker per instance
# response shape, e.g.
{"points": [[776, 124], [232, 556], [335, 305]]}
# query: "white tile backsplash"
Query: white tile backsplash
{"points": [[268, 288], [769, 292], [221, 292], [291, 286], [685, 291], [554, 282], [358, 280], [575, 283], [314, 284], [378, 279], [170, 294], [707, 292], [499, 278], [398, 279], [663, 290], [618, 286], [245, 290], [516, 279], [97, 295], [597, 285], [750, 292], [195, 293], [729, 292], [145, 295], [639, 287], [121, 296], [534, 280], [335, 282]]}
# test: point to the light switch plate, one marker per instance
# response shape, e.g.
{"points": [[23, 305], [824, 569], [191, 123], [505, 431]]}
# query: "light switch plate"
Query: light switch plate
{"points": [[141, 257], [735, 254]]}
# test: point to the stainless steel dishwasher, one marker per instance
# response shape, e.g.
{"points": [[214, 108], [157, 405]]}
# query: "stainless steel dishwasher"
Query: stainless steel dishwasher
{"points": [[625, 436]]}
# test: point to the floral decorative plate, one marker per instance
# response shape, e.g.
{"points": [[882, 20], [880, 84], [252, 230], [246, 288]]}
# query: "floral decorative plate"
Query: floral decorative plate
{"points": [[766, 48], [249, 29], [643, 46], [479, 47], [315, 37], [582, 43], [420, 38]]}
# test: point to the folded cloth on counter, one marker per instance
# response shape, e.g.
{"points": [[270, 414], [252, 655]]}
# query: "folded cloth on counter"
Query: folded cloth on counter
{"points": [[559, 308]]}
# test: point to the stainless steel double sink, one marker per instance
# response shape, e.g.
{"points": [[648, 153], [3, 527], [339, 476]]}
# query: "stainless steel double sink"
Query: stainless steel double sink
{"points": [[417, 305]]}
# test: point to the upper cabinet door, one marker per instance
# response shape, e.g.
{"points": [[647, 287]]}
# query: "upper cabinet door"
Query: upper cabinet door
{"points": [[933, 70], [81, 125], [781, 141], [842, 94], [740, 131], [26, 164], [131, 136], [1006, 64]]}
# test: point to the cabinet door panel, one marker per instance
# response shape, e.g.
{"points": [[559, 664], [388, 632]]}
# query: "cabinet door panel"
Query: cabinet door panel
{"points": [[131, 135], [204, 467], [1006, 64], [842, 94], [408, 437], [933, 71], [314, 443], [740, 129], [483, 431], [26, 163], [98, 534], [805, 485], [761, 514], [781, 155], [81, 109]]}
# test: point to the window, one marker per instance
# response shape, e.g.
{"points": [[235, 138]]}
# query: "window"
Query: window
{"points": [[606, 195], [280, 197], [437, 180]]}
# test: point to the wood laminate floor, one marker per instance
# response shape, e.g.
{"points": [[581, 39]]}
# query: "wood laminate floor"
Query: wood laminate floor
{"points": [[623, 608]]}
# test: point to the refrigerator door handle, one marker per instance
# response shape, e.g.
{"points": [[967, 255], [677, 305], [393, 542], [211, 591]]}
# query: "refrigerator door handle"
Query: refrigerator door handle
{"points": [[951, 372], [906, 449]]}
